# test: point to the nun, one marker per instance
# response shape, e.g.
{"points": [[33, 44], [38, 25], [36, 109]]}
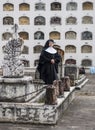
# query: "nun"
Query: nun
{"points": [[48, 63]]}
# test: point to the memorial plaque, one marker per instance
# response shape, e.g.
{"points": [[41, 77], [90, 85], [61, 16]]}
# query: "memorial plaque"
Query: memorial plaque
{"points": [[71, 69]]}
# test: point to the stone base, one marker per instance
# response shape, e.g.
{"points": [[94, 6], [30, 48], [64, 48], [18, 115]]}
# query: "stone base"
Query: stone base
{"points": [[18, 89], [35, 113]]}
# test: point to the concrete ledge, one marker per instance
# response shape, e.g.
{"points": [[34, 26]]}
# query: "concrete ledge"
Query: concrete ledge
{"points": [[63, 103], [81, 82], [16, 80], [35, 113]]}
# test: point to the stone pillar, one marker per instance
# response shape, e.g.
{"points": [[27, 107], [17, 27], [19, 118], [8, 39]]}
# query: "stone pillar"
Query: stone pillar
{"points": [[50, 97], [66, 83], [56, 84], [72, 79], [61, 89]]}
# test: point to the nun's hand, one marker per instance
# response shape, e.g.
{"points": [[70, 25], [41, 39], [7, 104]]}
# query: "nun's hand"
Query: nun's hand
{"points": [[52, 61]]}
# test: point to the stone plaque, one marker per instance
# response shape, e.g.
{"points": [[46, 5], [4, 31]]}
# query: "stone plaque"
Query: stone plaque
{"points": [[71, 69]]}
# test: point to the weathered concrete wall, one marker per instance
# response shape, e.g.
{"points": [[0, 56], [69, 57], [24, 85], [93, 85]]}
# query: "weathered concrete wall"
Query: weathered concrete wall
{"points": [[18, 89], [28, 113], [37, 113]]}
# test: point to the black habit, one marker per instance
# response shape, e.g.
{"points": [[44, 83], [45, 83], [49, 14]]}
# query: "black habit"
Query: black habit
{"points": [[48, 71]]}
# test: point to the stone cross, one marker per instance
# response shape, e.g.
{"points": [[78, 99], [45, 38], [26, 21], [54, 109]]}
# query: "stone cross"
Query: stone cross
{"points": [[13, 66], [15, 28]]}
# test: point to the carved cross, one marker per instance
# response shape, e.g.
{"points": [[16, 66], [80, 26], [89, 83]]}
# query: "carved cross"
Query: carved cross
{"points": [[15, 28]]}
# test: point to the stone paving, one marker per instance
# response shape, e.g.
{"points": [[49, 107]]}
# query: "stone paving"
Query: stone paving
{"points": [[79, 116]]}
